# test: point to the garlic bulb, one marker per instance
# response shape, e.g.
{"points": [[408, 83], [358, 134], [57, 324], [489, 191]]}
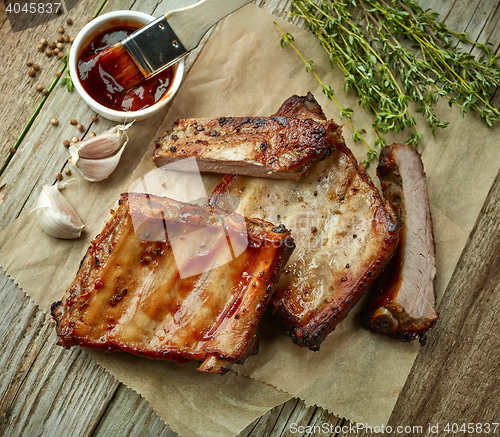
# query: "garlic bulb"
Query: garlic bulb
{"points": [[56, 216], [96, 158]]}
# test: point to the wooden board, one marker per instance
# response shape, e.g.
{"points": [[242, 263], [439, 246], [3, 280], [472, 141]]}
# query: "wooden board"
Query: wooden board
{"points": [[45, 390]]}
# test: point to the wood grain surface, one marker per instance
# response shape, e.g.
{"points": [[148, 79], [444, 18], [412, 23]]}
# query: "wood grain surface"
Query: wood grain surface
{"points": [[46, 390]]}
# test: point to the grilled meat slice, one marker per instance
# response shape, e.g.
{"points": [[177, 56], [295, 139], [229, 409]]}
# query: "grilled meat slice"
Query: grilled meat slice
{"points": [[344, 233], [278, 147], [195, 292], [404, 304]]}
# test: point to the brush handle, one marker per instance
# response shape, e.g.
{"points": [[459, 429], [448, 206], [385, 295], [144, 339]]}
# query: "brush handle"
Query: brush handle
{"points": [[191, 23]]}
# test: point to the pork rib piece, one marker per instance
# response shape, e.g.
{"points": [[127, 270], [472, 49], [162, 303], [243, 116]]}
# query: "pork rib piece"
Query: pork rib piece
{"points": [[279, 147], [129, 294], [343, 231], [404, 302]]}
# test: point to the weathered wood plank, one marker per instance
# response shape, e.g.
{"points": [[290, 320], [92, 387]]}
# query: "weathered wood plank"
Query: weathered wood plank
{"points": [[41, 382], [266, 422], [324, 424], [130, 414], [285, 412]]}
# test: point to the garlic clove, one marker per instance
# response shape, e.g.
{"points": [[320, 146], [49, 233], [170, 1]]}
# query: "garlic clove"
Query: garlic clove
{"points": [[94, 170], [96, 158], [56, 216], [104, 144]]}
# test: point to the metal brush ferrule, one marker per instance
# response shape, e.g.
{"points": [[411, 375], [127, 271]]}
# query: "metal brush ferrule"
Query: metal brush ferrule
{"points": [[154, 47]]}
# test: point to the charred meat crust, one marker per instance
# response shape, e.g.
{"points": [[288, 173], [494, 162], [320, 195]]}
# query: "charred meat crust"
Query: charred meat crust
{"points": [[301, 107], [387, 312], [282, 146], [110, 305]]}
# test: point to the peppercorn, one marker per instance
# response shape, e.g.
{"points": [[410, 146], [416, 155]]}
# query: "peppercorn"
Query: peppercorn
{"points": [[36, 67], [31, 73], [29, 64], [60, 55], [59, 74], [67, 171], [94, 117], [45, 91], [56, 51], [74, 140], [60, 45], [13, 150], [43, 41], [60, 29], [69, 21], [54, 121], [48, 52], [72, 39], [60, 39], [41, 47], [66, 38], [66, 143], [52, 45], [58, 176], [92, 134], [73, 122], [39, 87], [79, 126]]}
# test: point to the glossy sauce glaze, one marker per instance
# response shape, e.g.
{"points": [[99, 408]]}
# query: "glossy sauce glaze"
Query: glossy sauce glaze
{"points": [[143, 306], [102, 87]]}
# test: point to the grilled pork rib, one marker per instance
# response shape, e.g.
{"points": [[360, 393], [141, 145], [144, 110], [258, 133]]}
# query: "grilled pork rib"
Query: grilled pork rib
{"points": [[405, 302], [129, 293], [344, 233], [279, 147]]}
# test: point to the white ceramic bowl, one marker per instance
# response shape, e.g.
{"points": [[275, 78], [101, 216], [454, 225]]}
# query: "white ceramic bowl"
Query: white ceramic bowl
{"points": [[85, 37]]}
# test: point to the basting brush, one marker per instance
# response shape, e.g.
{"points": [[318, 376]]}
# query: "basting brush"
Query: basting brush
{"points": [[163, 42]]}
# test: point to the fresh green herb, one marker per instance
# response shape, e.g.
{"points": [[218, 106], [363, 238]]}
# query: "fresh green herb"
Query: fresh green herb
{"points": [[66, 80], [365, 38]]}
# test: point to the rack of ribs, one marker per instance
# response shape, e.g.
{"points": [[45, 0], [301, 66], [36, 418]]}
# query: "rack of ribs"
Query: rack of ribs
{"points": [[281, 146], [153, 283]]}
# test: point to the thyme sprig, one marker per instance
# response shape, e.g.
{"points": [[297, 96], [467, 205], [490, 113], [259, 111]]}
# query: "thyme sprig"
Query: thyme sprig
{"points": [[392, 53]]}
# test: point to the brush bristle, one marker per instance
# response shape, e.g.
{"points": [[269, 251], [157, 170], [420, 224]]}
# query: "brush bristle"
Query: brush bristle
{"points": [[119, 64]]}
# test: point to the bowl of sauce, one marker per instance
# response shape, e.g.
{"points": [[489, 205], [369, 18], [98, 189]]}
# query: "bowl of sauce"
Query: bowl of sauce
{"points": [[99, 90]]}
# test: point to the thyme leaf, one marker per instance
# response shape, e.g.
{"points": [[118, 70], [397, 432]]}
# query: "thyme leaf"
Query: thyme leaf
{"points": [[66, 80]]}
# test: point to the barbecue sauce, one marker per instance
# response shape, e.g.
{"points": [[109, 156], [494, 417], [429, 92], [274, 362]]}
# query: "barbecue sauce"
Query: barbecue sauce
{"points": [[103, 88]]}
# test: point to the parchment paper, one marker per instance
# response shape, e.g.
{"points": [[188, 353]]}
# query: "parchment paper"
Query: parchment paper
{"points": [[358, 375]]}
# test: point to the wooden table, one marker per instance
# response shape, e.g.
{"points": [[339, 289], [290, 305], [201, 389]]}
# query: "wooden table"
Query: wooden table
{"points": [[46, 390]]}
